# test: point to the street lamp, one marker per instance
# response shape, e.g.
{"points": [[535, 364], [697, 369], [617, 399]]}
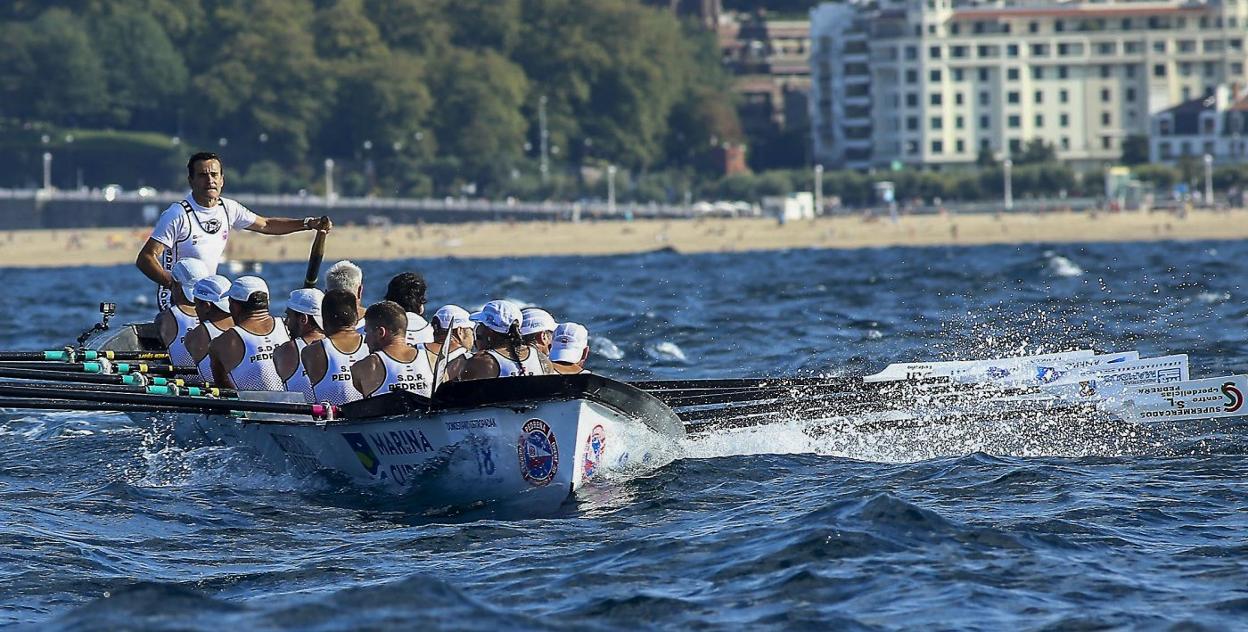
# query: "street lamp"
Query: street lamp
{"points": [[1209, 180], [47, 171], [818, 189], [611, 189], [1009, 185], [223, 141], [329, 180], [543, 137]]}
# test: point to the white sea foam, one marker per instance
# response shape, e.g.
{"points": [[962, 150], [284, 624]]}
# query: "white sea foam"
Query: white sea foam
{"points": [[1063, 267], [666, 352], [604, 347]]}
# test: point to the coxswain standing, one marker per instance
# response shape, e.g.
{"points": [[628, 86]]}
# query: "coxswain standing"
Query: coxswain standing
{"points": [[180, 319], [213, 309], [348, 277], [502, 352], [408, 290], [303, 320], [394, 365], [329, 361], [537, 328], [199, 226], [570, 349], [242, 358]]}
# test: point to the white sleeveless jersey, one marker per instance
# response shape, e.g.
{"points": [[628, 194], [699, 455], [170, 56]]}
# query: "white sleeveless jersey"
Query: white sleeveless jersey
{"points": [[256, 371], [508, 367], [299, 383], [415, 376], [179, 355], [336, 387], [419, 331], [205, 363], [187, 229]]}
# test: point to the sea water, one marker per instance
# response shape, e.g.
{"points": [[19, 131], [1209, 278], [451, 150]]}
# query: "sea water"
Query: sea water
{"points": [[987, 524]]}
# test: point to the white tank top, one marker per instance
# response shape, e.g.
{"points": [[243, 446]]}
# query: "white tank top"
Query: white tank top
{"points": [[419, 331], [335, 386], [298, 383], [179, 355], [415, 376], [508, 367], [205, 239], [205, 363], [256, 371]]}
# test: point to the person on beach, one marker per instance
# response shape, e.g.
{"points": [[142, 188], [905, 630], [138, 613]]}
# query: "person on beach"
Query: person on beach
{"points": [[303, 320], [408, 290], [536, 328], [328, 363], [570, 349], [242, 358], [348, 277], [213, 310], [394, 364], [180, 319], [199, 226], [501, 350]]}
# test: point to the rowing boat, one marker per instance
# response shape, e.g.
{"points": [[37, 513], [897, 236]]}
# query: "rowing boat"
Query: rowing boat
{"points": [[532, 441]]}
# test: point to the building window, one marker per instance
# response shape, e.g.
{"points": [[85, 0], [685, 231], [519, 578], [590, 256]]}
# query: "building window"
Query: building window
{"points": [[1063, 96], [957, 52], [1105, 118], [912, 53], [1033, 27], [1063, 50], [983, 74], [985, 122], [1014, 121], [1059, 26], [1012, 74], [958, 75], [1105, 48], [1062, 72], [1206, 125], [959, 122], [954, 28], [935, 98], [960, 146], [1011, 50], [912, 147], [1039, 97], [1130, 95], [1039, 50], [1187, 46], [912, 100], [1126, 24], [1210, 69], [1016, 145], [912, 76], [985, 98], [937, 122], [1037, 72], [937, 147], [983, 143], [1130, 70], [1185, 69], [1039, 120], [1163, 127], [934, 74], [1107, 142], [934, 52], [912, 123], [1132, 47], [1159, 46], [1012, 96], [1063, 120], [1065, 142], [1237, 68], [1159, 70], [1165, 150], [1105, 95], [1105, 71], [958, 98]]}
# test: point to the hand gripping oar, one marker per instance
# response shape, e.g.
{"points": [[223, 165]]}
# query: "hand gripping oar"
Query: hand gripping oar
{"points": [[186, 404], [312, 276]]}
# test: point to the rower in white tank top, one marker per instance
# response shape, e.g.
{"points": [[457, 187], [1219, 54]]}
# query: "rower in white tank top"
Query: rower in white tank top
{"points": [[255, 372], [335, 386], [299, 383], [205, 363], [179, 355], [415, 376], [532, 365]]}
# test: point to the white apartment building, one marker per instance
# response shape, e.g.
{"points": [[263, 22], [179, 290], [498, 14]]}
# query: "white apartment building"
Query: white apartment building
{"points": [[931, 82]]}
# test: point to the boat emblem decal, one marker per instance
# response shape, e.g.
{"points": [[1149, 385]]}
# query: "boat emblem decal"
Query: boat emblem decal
{"points": [[538, 453], [595, 445], [1236, 398], [363, 451]]}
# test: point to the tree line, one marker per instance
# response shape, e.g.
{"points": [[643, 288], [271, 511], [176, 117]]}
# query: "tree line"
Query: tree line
{"points": [[410, 97]]}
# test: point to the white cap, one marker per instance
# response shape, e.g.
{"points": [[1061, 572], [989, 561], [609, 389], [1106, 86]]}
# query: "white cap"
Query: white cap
{"points": [[186, 272], [571, 339], [307, 301], [536, 320], [498, 316], [213, 289], [245, 286], [452, 317]]}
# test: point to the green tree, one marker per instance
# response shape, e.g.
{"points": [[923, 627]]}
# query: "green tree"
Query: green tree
{"points": [[1036, 151], [69, 79], [142, 80]]}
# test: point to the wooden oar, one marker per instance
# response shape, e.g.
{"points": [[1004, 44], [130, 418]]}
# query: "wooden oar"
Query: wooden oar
{"points": [[164, 389], [98, 367], [317, 254], [63, 404]]}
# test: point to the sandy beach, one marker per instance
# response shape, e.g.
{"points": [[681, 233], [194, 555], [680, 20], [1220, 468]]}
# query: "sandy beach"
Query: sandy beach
{"points": [[54, 248]]}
